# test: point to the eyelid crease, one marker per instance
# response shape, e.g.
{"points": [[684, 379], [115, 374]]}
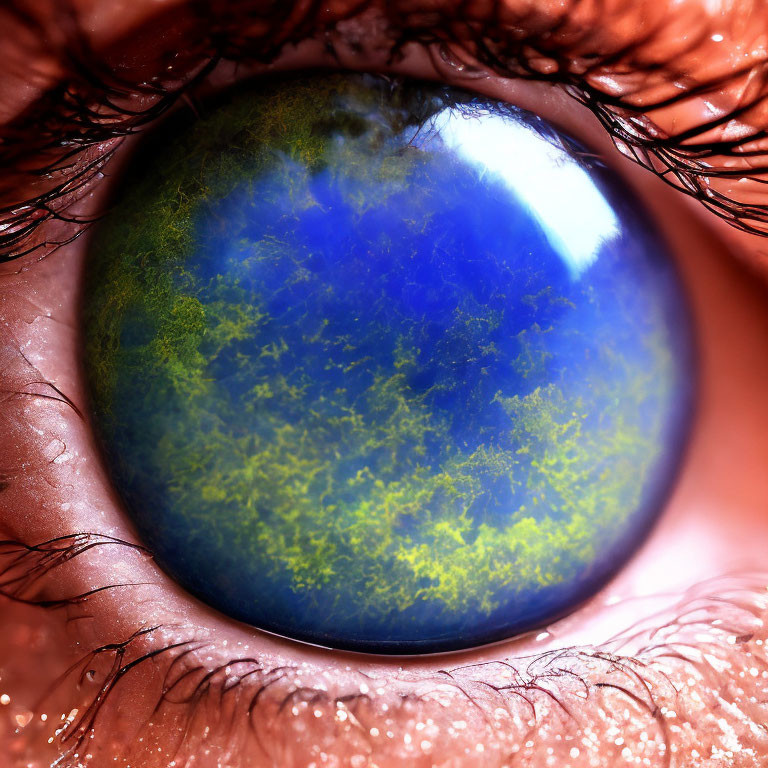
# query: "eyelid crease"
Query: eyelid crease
{"points": [[632, 684], [632, 88]]}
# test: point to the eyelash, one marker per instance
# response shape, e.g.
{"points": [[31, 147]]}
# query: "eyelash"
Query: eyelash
{"points": [[84, 127], [561, 679], [84, 111]]}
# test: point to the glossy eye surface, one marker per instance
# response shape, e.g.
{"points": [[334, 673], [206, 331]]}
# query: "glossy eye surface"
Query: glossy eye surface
{"points": [[386, 368]]}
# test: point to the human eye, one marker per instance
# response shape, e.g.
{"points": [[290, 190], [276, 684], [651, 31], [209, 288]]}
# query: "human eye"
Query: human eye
{"points": [[662, 667]]}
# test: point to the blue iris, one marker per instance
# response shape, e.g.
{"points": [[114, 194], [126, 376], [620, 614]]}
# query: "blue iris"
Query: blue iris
{"points": [[388, 370]]}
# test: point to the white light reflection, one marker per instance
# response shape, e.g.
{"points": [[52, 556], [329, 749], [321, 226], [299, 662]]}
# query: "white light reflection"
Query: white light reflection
{"points": [[573, 213]]}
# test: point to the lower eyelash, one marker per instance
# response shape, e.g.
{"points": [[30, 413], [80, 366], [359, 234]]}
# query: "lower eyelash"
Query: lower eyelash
{"points": [[220, 697], [23, 567]]}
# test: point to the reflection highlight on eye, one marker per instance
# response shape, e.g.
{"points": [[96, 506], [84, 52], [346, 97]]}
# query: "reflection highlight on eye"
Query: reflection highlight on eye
{"points": [[357, 388]]}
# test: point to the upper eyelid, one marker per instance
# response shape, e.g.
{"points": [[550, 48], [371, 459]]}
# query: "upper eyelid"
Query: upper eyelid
{"points": [[92, 105]]}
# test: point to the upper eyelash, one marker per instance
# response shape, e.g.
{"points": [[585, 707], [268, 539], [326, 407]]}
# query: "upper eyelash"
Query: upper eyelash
{"points": [[86, 115]]}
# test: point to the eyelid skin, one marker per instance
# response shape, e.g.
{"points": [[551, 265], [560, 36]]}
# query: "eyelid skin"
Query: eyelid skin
{"points": [[587, 693], [435, 708]]}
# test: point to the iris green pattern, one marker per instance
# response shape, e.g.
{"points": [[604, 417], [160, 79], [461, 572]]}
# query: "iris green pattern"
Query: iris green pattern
{"points": [[363, 483]]}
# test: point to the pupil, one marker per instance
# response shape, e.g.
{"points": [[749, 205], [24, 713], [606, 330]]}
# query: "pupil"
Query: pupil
{"points": [[387, 370]]}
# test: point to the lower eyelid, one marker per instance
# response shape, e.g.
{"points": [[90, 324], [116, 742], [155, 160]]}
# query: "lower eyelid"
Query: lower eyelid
{"points": [[696, 688]]}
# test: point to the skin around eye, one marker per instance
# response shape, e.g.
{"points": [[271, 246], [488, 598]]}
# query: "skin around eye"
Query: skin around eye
{"points": [[693, 541], [714, 522], [375, 393]]}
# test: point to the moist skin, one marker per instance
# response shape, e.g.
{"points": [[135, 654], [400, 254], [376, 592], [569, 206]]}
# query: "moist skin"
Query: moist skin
{"points": [[695, 681]]}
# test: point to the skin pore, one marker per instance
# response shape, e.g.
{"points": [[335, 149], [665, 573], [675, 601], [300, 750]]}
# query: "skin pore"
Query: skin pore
{"points": [[666, 666]]}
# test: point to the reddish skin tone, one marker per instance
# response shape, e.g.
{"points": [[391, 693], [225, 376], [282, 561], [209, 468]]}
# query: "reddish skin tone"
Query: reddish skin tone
{"points": [[359, 710]]}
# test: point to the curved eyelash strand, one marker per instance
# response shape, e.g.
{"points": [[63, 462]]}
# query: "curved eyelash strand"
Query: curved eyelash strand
{"points": [[95, 106], [729, 610], [24, 567]]}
